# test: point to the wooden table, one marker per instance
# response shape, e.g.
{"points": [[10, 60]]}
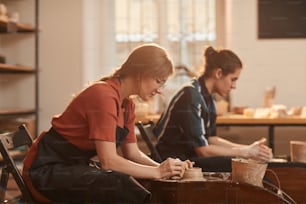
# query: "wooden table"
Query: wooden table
{"points": [[240, 120], [271, 123], [291, 177], [212, 191]]}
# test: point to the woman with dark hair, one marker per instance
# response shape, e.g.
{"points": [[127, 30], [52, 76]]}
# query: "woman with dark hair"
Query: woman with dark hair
{"points": [[187, 128], [99, 121]]}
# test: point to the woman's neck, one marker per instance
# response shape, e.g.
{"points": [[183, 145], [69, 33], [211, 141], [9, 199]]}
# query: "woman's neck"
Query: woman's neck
{"points": [[128, 87], [209, 83]]}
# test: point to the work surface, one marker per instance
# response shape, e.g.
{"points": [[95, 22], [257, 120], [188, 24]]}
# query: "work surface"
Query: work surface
{"points": [[270, 123], [213, 189], [243, 121], [232, 119]]}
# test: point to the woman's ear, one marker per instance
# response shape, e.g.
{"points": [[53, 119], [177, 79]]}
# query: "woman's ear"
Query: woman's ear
{"points": [[218, 73]]}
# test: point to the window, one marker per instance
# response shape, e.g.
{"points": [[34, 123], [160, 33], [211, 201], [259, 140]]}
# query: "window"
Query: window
{"points": [[183, 27], [136, 20], [179, 25]]}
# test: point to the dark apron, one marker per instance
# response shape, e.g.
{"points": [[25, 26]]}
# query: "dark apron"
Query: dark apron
{"points": [[62, 173]]}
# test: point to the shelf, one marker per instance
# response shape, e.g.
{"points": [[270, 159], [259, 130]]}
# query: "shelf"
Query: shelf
{"points": [[12, 27], [20, 73], [22, 28], [16, 111], [8, 68]]}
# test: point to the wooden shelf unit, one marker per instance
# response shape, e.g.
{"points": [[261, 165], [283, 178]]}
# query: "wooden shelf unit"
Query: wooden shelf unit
{"points": [[19, 67]]}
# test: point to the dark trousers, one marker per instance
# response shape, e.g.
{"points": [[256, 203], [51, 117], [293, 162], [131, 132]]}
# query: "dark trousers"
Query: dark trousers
{"points": [[62, 173]]}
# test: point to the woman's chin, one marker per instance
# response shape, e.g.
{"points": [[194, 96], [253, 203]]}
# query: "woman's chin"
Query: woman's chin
{"points": [[149, 97], [144, 98]]}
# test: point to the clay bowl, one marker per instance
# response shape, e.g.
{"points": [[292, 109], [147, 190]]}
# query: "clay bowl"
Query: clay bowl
{"points": [[193, 174]]}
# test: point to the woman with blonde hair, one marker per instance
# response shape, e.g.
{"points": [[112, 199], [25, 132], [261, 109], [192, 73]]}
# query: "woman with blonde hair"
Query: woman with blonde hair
{"points": [[98, 121]]}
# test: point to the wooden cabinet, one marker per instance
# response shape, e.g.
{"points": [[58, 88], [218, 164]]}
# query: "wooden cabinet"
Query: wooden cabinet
{"points": [[19, 65]]}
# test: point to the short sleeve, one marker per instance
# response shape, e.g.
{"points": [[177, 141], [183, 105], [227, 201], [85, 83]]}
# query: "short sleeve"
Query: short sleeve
{"points": [[102, 115]]}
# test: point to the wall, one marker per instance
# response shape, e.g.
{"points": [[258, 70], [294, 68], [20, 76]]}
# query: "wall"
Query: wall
{"points": [[98, 22], [278, 62], [268, 62], [60, 56]]}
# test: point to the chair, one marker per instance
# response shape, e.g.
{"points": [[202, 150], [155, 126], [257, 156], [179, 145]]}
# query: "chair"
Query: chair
{"points": [[10, 141], [146, 132]]}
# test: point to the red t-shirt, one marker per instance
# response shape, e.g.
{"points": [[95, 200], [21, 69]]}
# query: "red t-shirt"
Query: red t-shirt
{"points": [[94, 114]]}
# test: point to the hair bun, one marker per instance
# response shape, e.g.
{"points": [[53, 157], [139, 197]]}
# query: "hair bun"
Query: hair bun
{"points": [[210, 51]]}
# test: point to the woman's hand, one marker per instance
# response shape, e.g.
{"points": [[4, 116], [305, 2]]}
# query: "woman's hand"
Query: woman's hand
{"points": [[173, 168], [258, 151], [189, 164]]}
